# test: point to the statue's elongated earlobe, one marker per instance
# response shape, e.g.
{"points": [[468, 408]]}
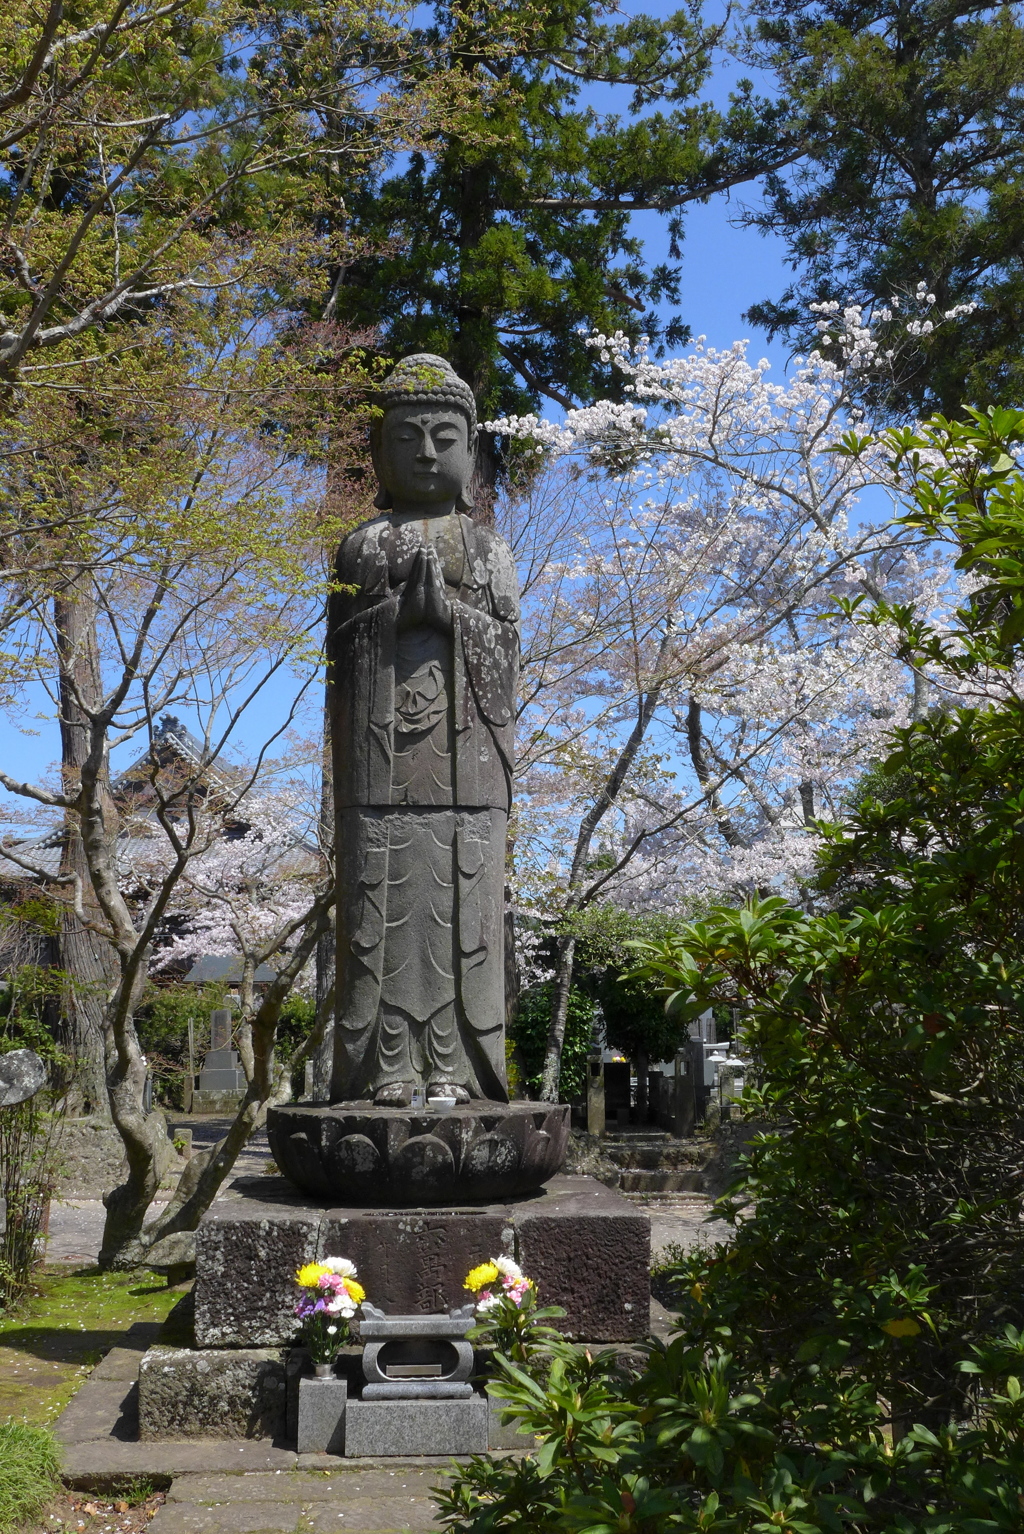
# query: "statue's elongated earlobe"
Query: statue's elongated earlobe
{"points": [[383, 500]]}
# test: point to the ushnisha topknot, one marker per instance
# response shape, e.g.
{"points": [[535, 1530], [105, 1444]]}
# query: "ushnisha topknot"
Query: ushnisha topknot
{"points": [[424, 379]]}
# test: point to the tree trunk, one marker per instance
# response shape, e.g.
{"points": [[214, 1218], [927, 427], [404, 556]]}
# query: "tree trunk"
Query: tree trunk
{"points": [[576, 895], [484, 484], [88, 960], [559, 1014]]}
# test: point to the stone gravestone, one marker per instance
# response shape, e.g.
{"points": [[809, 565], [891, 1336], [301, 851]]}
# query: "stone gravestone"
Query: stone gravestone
{"points": [[220, 1028], [221, 1080]]}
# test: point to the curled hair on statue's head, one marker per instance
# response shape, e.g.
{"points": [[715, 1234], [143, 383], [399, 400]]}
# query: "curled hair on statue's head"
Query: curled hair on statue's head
{"points": [[423, 379]]}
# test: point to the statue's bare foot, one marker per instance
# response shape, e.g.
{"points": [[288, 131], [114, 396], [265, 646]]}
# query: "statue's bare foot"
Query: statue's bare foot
{"points": [[395, 1094], [447, 1089]]}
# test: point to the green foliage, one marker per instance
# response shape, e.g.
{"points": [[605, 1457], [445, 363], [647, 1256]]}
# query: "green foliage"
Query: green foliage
{"points": [[913, 115], [517, 1331], [636, 1021], [30, 1460], [298, 1016], [690, 1444], [32, 910], [505, 237], [853, 1359], [512, 1073], [165, 1012], [162, 1025], [30, 1157], [529, 1033]]}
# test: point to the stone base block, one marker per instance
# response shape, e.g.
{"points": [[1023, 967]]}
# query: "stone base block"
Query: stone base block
{"points": [[231, 1393], [382, 1429], [322, 1405], [586, 1245], [417, 1390], [507, 1435], [204, 1101]]}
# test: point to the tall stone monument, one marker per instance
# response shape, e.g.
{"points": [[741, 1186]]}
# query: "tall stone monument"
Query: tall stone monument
{"points": [[423, 651], [418, 1168]]}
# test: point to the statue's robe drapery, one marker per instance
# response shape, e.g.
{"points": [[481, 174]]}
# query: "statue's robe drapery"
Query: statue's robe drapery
{"points": [[422, 734]]}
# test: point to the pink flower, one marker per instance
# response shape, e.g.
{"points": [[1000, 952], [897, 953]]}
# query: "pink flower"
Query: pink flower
{"points": [[516, 1289]]}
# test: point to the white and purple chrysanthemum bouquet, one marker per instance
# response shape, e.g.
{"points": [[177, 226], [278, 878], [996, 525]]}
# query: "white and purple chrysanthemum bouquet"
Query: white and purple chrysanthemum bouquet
{"points": [[329, 1300]]}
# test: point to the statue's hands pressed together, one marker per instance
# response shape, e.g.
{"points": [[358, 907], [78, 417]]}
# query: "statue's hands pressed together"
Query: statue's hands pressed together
{"points": [[424, 602]]}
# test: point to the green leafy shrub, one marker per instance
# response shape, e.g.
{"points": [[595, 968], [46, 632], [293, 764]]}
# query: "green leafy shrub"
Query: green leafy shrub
{"points": [[29, 1472], [162, 1022], [30, 1155], [854, 1359], [529, 1033], [693, 1444]]}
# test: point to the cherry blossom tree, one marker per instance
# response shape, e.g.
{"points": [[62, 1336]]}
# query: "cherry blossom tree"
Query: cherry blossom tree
{"points": [[693, 698], [245, 897], [199, 541]]}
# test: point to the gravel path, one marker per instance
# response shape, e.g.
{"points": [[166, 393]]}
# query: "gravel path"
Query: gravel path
{"points": [[76, 1223]]}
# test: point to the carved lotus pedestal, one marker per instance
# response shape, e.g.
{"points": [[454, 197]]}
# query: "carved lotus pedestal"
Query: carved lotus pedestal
{"points": [[474, 1153]]}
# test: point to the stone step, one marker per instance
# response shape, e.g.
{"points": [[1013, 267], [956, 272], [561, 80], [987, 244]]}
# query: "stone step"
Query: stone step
{"points": [[634, 1132], [676, 1155], [646, 1181]]}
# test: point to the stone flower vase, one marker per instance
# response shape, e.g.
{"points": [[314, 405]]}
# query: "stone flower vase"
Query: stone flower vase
{"points": [[322, 1401]]}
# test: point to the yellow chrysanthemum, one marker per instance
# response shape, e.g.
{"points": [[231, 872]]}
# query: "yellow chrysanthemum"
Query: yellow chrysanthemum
{"points": [[356, 1290], [308, 1276], [906, 1326], [479, 1278]]}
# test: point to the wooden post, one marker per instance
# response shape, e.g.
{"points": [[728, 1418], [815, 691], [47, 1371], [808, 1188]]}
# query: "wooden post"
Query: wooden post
{"points": [[190, 1079], [684, 1107], [595, 1096]]}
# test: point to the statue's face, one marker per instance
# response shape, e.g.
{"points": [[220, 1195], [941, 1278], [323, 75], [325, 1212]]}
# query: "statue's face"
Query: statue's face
{"points": [[425, 454]]}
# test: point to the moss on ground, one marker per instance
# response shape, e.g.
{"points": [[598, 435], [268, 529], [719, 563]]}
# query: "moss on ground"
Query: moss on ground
{"points": [[56, 1336]]}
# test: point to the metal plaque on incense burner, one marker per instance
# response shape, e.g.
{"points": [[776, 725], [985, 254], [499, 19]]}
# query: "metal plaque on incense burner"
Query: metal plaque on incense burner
{"points": [[409, 1358]]}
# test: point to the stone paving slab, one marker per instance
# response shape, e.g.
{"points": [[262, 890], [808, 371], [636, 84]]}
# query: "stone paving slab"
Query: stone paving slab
{"points": [[118, 1364], [299, 1486], [385, 1515], [226, 1518], [101, 1408], [90, 1464], [369, 1499]]}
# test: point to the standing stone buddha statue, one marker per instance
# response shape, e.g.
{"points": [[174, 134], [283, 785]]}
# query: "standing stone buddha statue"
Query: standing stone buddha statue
{"points": [[423, 649]]}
